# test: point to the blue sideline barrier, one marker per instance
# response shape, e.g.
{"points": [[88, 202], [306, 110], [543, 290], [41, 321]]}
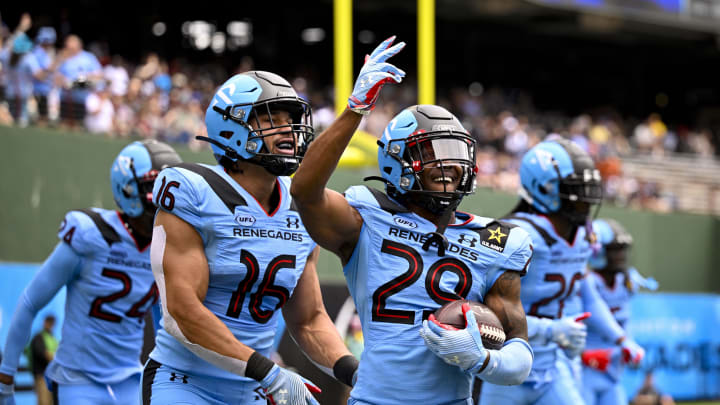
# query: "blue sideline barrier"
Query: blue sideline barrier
{"points": [[15, 277], [681, 336]]}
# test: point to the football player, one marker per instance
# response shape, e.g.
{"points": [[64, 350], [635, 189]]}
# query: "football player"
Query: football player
{"points": [[560, 186], [229, 250], [103, 258], [616, 282], [407, 251]]}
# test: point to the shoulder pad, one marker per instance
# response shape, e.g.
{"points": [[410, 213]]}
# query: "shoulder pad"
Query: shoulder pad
{"points": [[511, 241], [86, 231], [229, 196], [494, 235], [368, 196], [545, 235]]}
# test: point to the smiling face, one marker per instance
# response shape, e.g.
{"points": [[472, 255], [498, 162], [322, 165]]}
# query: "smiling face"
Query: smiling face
{"points": [[439, 162]]}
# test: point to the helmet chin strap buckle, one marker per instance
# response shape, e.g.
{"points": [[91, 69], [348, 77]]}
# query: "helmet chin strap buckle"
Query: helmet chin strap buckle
{"points": [[436, 239]]}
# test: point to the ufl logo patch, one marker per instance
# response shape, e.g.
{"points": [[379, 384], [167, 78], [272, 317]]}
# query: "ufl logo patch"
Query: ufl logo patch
{"points": [[405, 222], [245, 220]]}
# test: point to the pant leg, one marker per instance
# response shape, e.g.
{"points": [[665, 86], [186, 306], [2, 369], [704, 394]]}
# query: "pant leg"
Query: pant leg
{"points": [[44, 397], [561, 391], [523, 394], [614, 395]]}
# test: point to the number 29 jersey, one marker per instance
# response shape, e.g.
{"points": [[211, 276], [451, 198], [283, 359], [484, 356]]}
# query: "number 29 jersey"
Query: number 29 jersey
{"points": [[395, 284], [255, 259]]}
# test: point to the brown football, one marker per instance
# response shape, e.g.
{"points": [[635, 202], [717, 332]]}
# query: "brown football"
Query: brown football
{"points": [[491, 330]]}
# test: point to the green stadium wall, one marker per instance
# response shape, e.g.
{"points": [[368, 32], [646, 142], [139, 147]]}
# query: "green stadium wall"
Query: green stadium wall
{"points": [[45, 173]]}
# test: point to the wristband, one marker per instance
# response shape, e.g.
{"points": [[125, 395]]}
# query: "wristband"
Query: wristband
{"points": [[258, 366], [344, 369]]}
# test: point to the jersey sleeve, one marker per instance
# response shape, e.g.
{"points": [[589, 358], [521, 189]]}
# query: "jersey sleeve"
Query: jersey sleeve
{"points": [[79, 232], [519, 250], [175, 192], [56, 272]]}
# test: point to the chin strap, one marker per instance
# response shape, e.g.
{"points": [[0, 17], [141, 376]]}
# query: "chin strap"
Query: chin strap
{"points": [[438, 238]]}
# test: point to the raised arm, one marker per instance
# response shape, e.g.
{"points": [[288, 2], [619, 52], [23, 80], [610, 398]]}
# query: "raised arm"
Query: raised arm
{"points": [[328, 217], [311, 327]]}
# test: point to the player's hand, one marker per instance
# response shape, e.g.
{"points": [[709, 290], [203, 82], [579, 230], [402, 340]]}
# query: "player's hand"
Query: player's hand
{"points": [[284, 387], [7, 394], [568, 333], [457, 347], [632, 352], [373, 75], [599, 359]]}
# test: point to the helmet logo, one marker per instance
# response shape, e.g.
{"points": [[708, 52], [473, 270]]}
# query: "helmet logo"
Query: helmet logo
{"points": [[444, 127], [231, 90], [544, 158], [123, 164]]}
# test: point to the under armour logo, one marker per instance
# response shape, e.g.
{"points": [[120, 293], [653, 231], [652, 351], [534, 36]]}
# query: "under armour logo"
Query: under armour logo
{"points": [[174, 377], [259, 393], [469, 242], [293, 222]]}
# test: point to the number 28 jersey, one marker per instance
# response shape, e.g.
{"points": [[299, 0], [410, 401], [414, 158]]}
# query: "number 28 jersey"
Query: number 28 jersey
{"points": [[255, 259], [396, 284], [554, 279]]}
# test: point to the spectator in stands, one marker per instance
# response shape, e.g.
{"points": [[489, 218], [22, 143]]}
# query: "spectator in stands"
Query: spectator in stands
{"points": [[76, 74], [117, 76], [649, 395], [41, 352], [45, 95], [19, 86], [99, 110]]}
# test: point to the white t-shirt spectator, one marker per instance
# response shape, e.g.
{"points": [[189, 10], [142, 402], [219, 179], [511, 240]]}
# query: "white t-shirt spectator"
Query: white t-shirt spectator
{"points": [[118, 78], [100, 112]]}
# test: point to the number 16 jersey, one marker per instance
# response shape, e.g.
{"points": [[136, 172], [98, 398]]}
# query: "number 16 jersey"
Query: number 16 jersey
{"points": [[395, 284], [255, 258]]}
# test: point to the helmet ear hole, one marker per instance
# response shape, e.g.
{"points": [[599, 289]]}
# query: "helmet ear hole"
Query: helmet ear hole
{"points": [[387, 169], [226, 134]]}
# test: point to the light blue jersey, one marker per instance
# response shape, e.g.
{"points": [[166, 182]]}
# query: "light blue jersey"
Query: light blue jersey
{"points": [[255, 259], [396, 284], [111, 291], [604, 387], [110, 287], [555, 276]]}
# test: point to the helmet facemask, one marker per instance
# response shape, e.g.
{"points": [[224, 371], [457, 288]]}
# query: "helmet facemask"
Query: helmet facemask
{"points": [[447, 156], [300, 129], [583, 186], [144, 186]]}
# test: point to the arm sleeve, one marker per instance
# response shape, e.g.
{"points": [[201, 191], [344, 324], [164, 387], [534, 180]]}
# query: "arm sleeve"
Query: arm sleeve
{"points": [[510, 365], [538, 329], [57, 271], [602, 319]]}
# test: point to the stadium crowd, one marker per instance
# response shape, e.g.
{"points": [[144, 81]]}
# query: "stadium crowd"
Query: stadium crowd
{"points": [[58, 81]]}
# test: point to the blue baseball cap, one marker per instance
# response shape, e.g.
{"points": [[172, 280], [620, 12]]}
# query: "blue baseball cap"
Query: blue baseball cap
{"points": [[46, 35]]}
